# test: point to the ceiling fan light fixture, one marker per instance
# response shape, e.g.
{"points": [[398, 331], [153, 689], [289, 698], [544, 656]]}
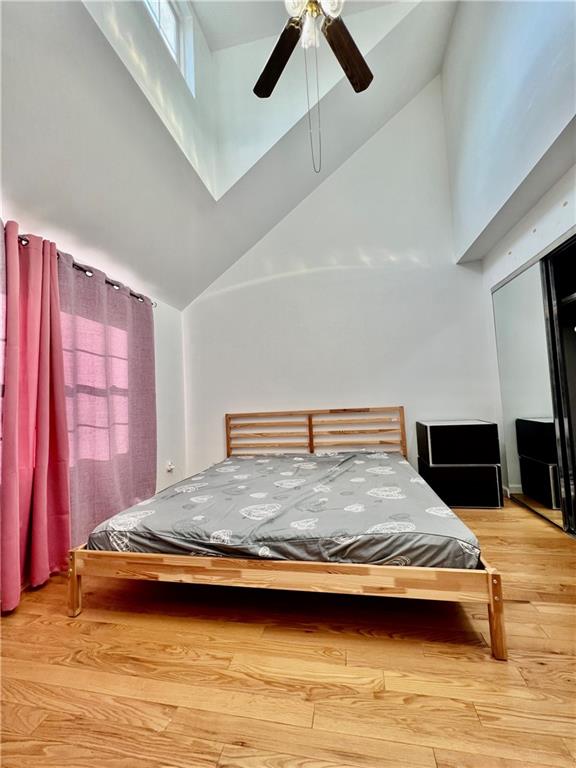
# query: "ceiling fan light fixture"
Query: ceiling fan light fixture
{"points": [[310, 32], [332, 8], [315, 16], [295, 8]]}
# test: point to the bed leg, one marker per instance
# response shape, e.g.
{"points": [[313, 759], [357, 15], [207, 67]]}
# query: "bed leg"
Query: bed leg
{"points": [[496, 617], [74, 587]]}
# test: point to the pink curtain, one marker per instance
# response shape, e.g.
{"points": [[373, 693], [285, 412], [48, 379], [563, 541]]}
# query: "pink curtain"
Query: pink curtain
{"points": [[108, 341], [34, 491]]}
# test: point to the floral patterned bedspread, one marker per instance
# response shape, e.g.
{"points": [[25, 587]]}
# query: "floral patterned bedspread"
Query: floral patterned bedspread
{"points": [[351, 507]]}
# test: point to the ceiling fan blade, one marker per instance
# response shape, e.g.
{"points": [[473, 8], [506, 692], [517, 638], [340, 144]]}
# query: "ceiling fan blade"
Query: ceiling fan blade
{"points": [[278, 58], [347, 53]]}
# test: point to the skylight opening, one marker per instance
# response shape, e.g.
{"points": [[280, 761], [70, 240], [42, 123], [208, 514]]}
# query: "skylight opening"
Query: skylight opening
{"points": [[168, 25], [177, 33]]}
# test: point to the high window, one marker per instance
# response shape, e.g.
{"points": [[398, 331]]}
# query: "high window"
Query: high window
{"points": [[166, 19], [174, 22]]}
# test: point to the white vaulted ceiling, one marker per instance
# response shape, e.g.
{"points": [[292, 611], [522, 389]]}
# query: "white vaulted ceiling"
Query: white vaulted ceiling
{"points": [[225, 129], [226, 23], [230, 22], [105, 149], [85, 150]]}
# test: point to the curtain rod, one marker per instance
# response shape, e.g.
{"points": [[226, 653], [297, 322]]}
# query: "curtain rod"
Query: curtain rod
{"points": [[87, 271]]}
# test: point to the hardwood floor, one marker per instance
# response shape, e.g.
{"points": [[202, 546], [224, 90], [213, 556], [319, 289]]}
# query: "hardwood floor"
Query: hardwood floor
{"points": [[169, 675], [554, 515]]}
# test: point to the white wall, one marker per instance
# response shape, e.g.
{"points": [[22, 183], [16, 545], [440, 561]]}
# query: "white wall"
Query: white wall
{"points": [[551, 219], [191, 120], [169, 394], [523, 360], [509, 92], [353, 299]]}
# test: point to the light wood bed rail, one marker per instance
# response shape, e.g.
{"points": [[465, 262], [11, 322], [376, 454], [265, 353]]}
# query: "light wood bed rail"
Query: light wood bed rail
{"points": [[315, 430]]}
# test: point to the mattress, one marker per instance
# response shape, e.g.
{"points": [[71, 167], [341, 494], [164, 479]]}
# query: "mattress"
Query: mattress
{"points": [[347, 508]]}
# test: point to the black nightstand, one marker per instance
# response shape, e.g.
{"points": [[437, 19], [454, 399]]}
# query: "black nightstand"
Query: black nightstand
{"points": [[460, 460]]}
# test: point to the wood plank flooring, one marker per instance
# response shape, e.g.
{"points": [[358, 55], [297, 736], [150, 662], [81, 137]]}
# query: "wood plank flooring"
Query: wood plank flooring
{"points": [[178, 676]]}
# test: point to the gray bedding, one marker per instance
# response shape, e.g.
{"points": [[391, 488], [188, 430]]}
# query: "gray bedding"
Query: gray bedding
{"points": [[353, 507]]}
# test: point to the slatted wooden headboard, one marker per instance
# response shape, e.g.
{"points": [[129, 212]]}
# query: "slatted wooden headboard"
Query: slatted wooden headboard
{"points": [[309, 431]]}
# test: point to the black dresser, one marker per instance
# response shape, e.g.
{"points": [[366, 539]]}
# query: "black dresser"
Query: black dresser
{"points": [[538, 457], [460, 460]]}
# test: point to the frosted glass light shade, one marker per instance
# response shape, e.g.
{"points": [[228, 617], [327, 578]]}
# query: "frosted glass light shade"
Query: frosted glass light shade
{"points": [[295, 8], [310, 37], [332, 8]]}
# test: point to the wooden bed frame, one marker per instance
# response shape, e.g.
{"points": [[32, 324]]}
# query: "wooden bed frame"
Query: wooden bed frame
{"points": [[305, 431]]}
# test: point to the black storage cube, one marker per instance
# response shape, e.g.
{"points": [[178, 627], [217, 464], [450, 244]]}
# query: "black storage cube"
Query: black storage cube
{"points": [[540, 481], [458, 442], [465, 485], [536, 438]]}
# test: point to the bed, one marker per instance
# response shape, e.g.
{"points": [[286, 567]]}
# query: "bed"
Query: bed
{"points": [[321, 500]]}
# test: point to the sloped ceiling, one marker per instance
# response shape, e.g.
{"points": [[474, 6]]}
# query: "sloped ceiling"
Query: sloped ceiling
{"points": [[224, 129], [86, 156], [233, 22]]}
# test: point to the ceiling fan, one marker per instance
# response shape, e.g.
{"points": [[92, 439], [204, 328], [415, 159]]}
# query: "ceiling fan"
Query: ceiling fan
{"points": [[306, 16]]}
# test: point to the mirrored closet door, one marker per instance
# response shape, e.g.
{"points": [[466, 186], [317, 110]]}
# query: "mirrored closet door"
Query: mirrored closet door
{"points": [[536, 341]]}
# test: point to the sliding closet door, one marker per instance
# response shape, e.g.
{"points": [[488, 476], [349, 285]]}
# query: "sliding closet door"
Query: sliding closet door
{"points": [[559, 270], [526, 387]]}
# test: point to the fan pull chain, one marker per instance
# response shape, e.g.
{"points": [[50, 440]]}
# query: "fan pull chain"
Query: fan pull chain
{"points": [[317, 166]]}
